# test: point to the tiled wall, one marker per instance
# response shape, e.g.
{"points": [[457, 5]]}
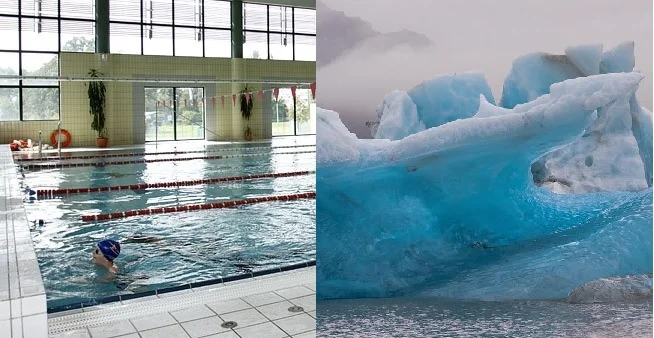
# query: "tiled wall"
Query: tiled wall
{"points": [[124, 105]]}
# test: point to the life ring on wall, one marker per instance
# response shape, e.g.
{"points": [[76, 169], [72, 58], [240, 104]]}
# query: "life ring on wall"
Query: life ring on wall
{"points": [[65, 143]]}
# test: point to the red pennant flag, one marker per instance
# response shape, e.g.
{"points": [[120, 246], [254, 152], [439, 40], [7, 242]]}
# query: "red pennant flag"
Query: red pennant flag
{"points": [[247, 98], [261, 95], [184, 102], [164, 103], [313, 90], [222, 99], [293, 88], [195, 102], [213, 101], [276, 93], [234, 98]]}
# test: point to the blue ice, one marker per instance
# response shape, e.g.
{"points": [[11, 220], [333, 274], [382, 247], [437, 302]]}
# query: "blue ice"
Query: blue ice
{"points": [[455, 211]]}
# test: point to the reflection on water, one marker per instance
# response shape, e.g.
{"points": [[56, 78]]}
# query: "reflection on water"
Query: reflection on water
{"points": [[447, 318]]}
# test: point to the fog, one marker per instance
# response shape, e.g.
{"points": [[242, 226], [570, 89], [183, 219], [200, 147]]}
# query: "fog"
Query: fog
{"points": [[471, 35]]}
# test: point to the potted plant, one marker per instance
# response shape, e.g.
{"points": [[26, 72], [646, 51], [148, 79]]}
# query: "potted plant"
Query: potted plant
{"points": [[96, 93], [246, 112]]}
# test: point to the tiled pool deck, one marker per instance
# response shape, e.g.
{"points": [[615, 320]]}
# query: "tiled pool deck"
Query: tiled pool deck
{"points": [[261, 307], [276, 305], [22, 296]]}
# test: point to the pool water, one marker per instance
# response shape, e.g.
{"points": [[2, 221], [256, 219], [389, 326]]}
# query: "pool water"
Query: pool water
{"points": [[197, 246], [404, 317]]}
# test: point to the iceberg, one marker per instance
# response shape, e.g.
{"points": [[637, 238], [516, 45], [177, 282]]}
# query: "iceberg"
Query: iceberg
{"points": [[454, 210]]}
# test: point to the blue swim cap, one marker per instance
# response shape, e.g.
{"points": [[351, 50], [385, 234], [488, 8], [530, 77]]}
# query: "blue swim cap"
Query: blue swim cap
{"points": [[109, 248]]}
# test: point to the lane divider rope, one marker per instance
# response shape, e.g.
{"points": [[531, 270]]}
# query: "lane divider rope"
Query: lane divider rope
{"points": [[55, 157], [102, 164], [195, 207], [49, 193]]}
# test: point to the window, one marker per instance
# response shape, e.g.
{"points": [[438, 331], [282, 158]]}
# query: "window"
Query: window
{"points": [[33, 33], [290, 32]]}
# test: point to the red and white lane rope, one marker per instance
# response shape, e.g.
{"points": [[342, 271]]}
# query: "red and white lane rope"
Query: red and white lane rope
{"points": [[102, 164], [45, 193], [194, 207], [55, 157]]}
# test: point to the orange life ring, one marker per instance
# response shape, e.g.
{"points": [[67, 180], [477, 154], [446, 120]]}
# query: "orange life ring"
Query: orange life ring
{"points": [[64, 132]]}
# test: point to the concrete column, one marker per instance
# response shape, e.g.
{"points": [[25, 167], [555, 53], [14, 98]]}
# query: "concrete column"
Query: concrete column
{"points": [[237, 29], [102, 26]]}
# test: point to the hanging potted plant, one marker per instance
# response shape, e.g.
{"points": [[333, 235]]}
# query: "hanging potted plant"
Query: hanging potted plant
{"points": [[246, 112], [96, 93]]}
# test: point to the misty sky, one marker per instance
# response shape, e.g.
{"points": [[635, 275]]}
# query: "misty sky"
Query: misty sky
{"points": [[472, 35]]}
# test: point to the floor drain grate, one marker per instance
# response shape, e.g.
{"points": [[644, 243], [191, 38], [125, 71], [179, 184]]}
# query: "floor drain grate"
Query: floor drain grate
{"points": [[229, 325], [295, 308]]}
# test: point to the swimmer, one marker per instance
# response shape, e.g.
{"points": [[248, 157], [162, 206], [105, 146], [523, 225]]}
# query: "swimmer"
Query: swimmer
{"points": [[105, 253]]}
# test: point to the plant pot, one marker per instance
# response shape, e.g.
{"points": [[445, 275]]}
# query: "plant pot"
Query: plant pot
{"points": [[102, 142], [248, 135]]}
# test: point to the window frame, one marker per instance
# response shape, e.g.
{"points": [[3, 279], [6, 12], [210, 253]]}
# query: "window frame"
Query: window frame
{"points": [[19, 16]]}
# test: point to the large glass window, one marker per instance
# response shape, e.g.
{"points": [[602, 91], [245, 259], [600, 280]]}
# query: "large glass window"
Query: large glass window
{"points": [[293, 116], [33, 32], [290, 32]]}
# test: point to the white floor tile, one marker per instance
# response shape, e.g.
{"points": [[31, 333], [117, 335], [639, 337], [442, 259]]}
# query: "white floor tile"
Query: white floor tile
{"points": [[295, 292], [311, 286], [310, 334], [35, 326], [151, 322], [84, 333], [312, 314], [245, 318], [228, 334], [5, 310], [204, 327], [33, 305], [277, 310], [193, 313], [112, 329], [267, 330], [5, 328], [131, 335], [297, 324], [263, 299], [229, 306], [16, 327], [308, 303], [172, 331]]}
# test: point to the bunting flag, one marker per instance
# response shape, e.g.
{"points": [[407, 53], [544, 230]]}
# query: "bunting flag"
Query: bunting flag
{"points": [[213, 101], [260, 92], [247, 98]]}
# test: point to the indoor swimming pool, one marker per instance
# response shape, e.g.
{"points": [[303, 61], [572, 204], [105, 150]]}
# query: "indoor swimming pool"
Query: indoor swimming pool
{"points": [[198, 245]]}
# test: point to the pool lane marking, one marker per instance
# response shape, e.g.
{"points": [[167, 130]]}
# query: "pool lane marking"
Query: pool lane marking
{"points": [[102, 164], [49, 193], [54, 157], [195, 207]]}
